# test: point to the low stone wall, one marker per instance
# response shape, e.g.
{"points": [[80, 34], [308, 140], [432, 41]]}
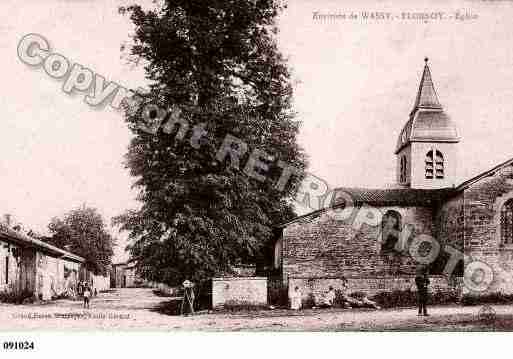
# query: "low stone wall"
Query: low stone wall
{"points": [[239, 290], [318, 287]]}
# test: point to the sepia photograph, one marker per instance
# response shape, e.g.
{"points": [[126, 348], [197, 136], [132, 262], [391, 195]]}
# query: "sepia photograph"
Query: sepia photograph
{"points": [[260, 166]]}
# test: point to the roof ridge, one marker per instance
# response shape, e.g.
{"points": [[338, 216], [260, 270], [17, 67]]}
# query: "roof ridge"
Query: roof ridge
{"points": [[465, 184], [381, 197], [14, 235]]}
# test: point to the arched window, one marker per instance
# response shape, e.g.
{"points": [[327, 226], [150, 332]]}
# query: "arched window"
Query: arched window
{"points": [[390, 230], [507, 222], [434, 164]]}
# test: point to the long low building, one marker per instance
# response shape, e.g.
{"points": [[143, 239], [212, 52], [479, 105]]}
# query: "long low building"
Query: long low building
{"points": [[31, 266]]}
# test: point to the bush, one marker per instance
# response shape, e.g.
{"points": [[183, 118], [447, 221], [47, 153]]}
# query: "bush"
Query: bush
{"points": [[15, 297], [396, 298], [309, 302], [408, 298], [442, 298], [491, 298]]}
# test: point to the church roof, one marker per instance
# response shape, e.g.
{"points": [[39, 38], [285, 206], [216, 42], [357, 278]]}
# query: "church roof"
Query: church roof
{"points": [[383, 197], [490, 172], [428, 122], [397, 196]]}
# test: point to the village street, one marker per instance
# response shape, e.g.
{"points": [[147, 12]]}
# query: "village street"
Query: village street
{"points": [[141, 309]]}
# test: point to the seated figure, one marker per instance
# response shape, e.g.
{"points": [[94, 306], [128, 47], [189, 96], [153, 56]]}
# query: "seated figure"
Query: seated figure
{"points": [[295, 299]]}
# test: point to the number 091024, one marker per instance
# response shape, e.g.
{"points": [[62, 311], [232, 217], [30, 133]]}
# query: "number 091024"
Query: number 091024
{"points": [[18, 345]]}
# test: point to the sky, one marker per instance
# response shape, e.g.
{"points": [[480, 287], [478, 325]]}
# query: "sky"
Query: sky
{"points": [[355, 84]]}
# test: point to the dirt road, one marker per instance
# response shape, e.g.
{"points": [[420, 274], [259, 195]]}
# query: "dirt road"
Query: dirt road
{"points": [[140, 309]]}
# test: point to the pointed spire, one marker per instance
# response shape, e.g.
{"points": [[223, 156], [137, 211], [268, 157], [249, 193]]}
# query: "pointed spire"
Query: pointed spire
{"points": [[426, 96]]}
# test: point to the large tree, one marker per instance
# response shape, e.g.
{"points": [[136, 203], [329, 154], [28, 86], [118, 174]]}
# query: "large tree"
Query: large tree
{"points": [[83, 232], [218, 63]]}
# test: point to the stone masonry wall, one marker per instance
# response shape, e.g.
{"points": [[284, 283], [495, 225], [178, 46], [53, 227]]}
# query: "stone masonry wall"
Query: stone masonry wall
{"points": [[483, 202], [450, 223], [450, 232], [327, 247]]}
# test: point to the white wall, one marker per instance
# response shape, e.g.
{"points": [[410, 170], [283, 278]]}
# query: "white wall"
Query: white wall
{"points": [[248, 290]]}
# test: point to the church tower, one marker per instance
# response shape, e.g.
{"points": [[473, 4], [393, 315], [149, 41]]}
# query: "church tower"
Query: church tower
{"points": [[427, 146]]}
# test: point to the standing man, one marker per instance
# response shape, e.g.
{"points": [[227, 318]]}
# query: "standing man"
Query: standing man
{"points": [[87, 296], [422, 282], [188, 298]]}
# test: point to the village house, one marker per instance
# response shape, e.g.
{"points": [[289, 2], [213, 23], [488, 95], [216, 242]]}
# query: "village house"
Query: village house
{"points": [[471, 221], [124, 275], [33, 268]]}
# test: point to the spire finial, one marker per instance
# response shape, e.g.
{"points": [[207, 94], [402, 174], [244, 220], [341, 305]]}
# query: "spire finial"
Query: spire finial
{"points": [[426, 95]]}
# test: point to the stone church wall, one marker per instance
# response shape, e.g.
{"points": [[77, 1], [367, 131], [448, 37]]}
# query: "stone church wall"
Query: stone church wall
{"points": [[483, 202], [450, 223], [326, 247]]}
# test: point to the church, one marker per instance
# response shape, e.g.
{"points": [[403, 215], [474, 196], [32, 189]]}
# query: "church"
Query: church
{"points": [[469, 224]]}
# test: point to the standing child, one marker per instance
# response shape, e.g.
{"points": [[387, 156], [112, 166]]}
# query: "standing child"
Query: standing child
{"points": [[87, 296]]}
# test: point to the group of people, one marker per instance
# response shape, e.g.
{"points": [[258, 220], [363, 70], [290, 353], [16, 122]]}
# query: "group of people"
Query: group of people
{"points": [[82, 289], [328, 299], [85, 291]]}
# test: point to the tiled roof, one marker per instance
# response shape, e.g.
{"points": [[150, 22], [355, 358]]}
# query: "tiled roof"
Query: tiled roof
{"points": [[397, 196], [428, 126], [384, 197], [484, 174], [11, 235]]}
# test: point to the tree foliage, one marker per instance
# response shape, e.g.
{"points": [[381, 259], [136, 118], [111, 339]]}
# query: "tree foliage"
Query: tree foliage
{"points": [[83, 232], [218, 62]]}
